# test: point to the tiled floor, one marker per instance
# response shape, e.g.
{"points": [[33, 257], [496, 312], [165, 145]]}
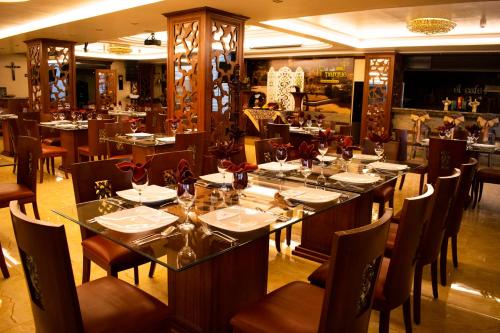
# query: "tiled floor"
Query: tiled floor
{"points": [[470, 304]]}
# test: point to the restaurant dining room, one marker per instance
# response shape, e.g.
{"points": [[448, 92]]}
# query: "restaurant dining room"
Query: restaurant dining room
{"points": [[249, 166]]}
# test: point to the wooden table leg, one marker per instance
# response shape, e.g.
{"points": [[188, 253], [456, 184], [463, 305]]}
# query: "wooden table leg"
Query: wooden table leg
{"points": [[205, 297], [8, 150], [71, 140]]}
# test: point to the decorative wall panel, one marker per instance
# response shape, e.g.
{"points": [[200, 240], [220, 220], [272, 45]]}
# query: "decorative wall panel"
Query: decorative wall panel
{"points": [[35, 85], [105, 88], [58, 60], [281, 83]]}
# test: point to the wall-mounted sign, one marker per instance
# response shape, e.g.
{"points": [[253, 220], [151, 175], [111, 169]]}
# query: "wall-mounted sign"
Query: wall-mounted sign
{"points": [[335, 76]]}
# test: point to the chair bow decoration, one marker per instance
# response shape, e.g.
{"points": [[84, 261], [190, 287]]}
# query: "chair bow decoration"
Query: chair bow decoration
{"points": [[486, 125], [419, 120], [455, 121]]}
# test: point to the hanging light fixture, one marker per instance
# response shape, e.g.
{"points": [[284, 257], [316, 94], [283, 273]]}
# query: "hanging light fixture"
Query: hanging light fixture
{"points": [[431, 25]]}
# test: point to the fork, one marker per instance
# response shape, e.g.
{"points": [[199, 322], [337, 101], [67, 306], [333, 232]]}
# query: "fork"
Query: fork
{"points": [[151, 237]]}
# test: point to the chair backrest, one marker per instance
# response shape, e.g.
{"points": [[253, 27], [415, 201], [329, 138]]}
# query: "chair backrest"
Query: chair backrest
{"points": [[399, 278], [195, 142], [402, 138], [278, 131], [96, 134], [264, 150], [437, 212], [467, 172], [28, 153], [14, 129], [95, 179], [153, 124], [163, 166], [115, 149], [444, 156], [460, 133], [44, 254], [30, 128], [355, 263]]}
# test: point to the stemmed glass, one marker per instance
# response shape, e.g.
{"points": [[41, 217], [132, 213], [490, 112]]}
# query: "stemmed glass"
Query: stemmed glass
{"points": [[73, 116], [320, 123], [240, 182], [222, 170], [140, 185], [61, 116], [379, 149], [346, 156], [281, 156], [309, 123], [186, 254], [79, 116], [55, 116], [306, 171], [174, 125], [186, 197], [134, 126], [301, 121], [322, 148]]}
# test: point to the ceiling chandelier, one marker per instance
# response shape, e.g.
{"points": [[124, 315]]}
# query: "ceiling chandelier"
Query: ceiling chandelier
{"points": [[119, 49], [431, 25]]}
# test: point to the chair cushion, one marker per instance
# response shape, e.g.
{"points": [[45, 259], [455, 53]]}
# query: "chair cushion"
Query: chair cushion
{"points": [[85, 150], [53, 150], [295, 307], [13, 191], [383, 194], [105, 252], [111, 305], [489, 175]]}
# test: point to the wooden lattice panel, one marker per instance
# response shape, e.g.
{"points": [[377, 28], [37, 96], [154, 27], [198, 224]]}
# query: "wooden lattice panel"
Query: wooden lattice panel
{"points": [[59, 67], [106, 88], [34, 64]]}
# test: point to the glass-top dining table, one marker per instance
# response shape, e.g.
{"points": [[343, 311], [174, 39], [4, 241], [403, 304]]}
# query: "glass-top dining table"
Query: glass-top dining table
{"points": [[142, 146], [220, 265]]}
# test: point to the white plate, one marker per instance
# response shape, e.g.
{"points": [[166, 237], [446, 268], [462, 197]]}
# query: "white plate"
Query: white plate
{"points": [[218, 178], [167, 139], [237, 219], [66, 125], [139, 135], [388, 166], [356, 178], [137, 219], [326, 158], [365, 157], [312, 195], [153, 194], [275, 166], [483, 145]]}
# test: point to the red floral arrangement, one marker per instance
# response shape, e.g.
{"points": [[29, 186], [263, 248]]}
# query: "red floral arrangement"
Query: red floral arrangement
{"points": [[307, 152], [447, 126], [235, 168], [344, 141], [174, 120], [184, 174], [474, 129], [325, 136], [379, 138], [139, 170], [223, 150], [281, 145]]}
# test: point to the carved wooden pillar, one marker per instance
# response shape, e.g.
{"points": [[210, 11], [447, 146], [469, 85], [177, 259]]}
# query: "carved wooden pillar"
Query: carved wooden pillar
{"points": [[204, 47], [377, 94], [51, 74]]}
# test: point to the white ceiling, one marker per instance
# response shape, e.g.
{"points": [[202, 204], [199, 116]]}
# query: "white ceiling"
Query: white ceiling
{"points": [[332, 27]]}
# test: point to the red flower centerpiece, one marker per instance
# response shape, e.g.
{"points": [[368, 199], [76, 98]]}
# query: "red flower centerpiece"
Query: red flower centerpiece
{"points": [[379, 137], [325, 136], [319, 119], [446, 129], [307, 153], [240, 173], [173, 123], [139, 175], [223, 150]]}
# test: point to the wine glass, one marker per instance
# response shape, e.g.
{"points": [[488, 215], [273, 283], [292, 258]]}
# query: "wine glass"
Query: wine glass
{"points": [[73, 116], [346, 155], [240, 182], [379, 149], [174, 125], [306, 170], [79, 116], [186, 254], [222, 169], [61, 116], [140, 185], [320, 123], [186, 197], [281, 156], [133, 126], [448, 134], [99, 116], [309, 123], [301, 121], [55, 116], [323, 148]]}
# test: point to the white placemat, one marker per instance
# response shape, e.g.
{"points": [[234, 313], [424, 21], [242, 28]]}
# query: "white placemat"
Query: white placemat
{"points": [[218, 178], [152, 194], [237, 219], [388, 166], [356, 178], [275, 166], [137, 219], [311, 195]]}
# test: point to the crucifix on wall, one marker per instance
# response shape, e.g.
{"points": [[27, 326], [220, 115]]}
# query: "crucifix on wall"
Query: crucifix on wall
{"points": [[13, 67]]}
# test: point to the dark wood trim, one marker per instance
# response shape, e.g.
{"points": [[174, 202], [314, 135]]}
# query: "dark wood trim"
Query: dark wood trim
{"points": [[206, 9]]}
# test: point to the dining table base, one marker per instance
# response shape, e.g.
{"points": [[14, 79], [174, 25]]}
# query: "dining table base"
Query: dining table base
{"points": [[203, 298]]}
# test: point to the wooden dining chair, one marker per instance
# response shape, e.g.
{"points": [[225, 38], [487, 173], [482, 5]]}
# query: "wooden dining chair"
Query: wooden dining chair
{"points": [[91, 181], [104, 305], [48, 152], [153, 122], [24, 190], [195, 142], [454, 220], [3, 264], [278, 131], [14, 131], [163, 166], [444, 156], [96, 146], [116, 150], [394, 283], [484, 175], [432, 237], [344, 306]]}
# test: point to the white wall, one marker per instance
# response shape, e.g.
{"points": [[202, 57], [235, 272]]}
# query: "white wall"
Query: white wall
{"points": [[121, 95], [19, 87], [359, 70]]}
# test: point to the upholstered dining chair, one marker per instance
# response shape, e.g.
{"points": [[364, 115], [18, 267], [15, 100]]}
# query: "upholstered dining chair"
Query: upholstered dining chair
{"points": [[195, 142], [394, 283], [484, 175], [444, 156], [24, 190], [14, 130], [432, 237], [96, 146], [454, 220], [103, 305], [116, 150], [163, 166], [48, 152], [345, 304], [88, 180]]}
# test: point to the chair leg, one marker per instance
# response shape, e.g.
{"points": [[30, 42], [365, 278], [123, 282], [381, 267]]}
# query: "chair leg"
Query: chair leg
{"points": [[277, 240], [383, 326], [52, 164], [42, 160], [454, 251], [421, 185], [407, 315], [401, 183], [381, 207], [288, 235], [444, 254], [15, 164], [48, 165], [136, 275], [417, 292], [434, 278], [474, 193], [22, 208], [86, 270], [3, 265], [35, 210], [152, 268], [480, 191]]}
